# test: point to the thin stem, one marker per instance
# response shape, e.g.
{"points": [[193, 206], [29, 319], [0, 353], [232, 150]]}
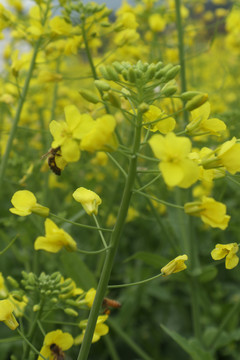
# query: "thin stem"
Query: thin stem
{"points": [[158, 200], [117, 164], [223, 324], [135, 283], [80, 225], [114, 241], [100, 232], [18, 113], [93, 252], [181, 50], [30, 345], [9, 245], [150, 182]]}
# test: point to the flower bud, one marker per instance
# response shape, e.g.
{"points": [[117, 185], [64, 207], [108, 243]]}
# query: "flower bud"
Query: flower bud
{"points": [[197, 101], [12, 282], [71, 312], [188, 95], [172, 72], [89, 96], [131, 75], [102, 85], [169, 90]]}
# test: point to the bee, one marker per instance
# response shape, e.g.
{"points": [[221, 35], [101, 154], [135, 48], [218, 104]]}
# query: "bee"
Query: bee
{"points": [[52, 153], [58, 354], [107, 303]]}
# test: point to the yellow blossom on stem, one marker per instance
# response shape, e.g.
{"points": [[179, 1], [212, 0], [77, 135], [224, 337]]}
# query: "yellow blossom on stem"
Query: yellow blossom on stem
{"points": [[89, 200], [227, 251], [101, 329], [89, 297], [6, 314], [55, 239], [211, 212], [164, 126], [201, 123], [175, 265], [66, 134], [176, 166], [55, 342], [25, 203], [229, 155], [101, 136]]}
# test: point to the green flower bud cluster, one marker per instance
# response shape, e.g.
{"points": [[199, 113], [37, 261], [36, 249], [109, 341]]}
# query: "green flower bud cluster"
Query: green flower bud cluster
{"points": [[47, 285], [140, 73], [85, 10]]}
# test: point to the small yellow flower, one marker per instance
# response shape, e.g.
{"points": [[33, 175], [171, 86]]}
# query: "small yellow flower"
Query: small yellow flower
{"points": [[229, 155], [212, 212], [157, 23], [101, 329], [175, 265], [164, 126], [55, 239], [6, 314], [55, 342], [25, 203], [226, 250], [89, 200], [89, 297], [176, 166]]}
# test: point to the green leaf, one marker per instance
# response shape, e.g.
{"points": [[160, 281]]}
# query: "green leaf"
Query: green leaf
{"points": [[154, 260], [192, 346], [78, 271]]}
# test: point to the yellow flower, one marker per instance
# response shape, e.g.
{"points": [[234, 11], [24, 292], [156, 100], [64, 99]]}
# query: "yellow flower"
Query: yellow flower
{"points": [[55, 239], [89, 297], [3, 289], [89, 200], [175, 265], [25, 203], [164, 126], [229, 155], [176, 167], [59, 26], [211, 212], [6, 314], [55, 342], [201, 123], [101, 329], [226, 250], [101, 134], [19, 306], [157, 23], [67, 133]]}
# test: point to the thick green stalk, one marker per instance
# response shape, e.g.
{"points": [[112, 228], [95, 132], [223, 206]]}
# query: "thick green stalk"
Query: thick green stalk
{"points": [[114, 241], [181, 50], [18, 113]]}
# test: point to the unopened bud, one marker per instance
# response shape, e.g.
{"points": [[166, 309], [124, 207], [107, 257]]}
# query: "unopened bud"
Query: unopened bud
{"points": [[12, 282], [102, 85], [197, 101], [172, 72], [131, 75], [188, 95], [89, 96], [71, 312]]}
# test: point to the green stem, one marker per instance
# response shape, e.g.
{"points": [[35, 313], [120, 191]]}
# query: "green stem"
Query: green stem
{"points": [[111, 348], [18, 113], [114, 241], [9, 245], [117, 164], [93, 252], [223, 324], [122, 334], [135, 283], [100, 232], [181, 51], [159, 200], [77, 224], [30, 345], [150, 182]]}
